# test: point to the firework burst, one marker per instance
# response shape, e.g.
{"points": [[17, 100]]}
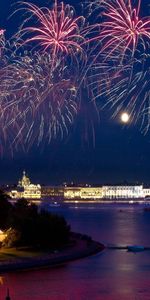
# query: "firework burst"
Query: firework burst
{"points": [[36, 103], [57, 30], [42, 92], [123, 29], [2, 41], [129, 91]]}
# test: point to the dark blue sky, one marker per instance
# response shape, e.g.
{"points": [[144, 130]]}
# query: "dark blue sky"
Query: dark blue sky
{"points": [[120, 153]]}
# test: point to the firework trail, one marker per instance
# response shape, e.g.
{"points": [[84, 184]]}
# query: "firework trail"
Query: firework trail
{"points": [[36, 104], [57, 30], [123, 29], [40, 105], [49, 98], [42, 92], [131, 94], [124, 46], [2, 42]]}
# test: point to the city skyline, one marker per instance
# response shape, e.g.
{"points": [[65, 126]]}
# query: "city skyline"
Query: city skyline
{"points": [[77, 192]]}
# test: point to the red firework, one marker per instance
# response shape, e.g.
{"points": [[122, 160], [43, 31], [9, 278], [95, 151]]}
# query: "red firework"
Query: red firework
{"points": [[56, 30], [123, 28], [2, 32], [2, 41]]}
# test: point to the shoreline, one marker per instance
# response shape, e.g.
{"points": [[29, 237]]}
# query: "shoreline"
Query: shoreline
{"points": [[83, 247]]}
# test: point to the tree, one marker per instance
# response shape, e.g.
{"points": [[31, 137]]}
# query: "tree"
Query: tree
{"points": [[5, 208], [37, 228]]}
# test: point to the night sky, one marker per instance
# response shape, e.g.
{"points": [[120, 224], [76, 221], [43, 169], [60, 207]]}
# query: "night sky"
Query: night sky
{"points": [[119, 154]]}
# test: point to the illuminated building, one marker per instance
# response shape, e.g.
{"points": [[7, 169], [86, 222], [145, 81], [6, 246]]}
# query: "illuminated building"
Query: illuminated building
{"points": [[52, 192], [15, 194], [91, 192], [26, 189], [146, 192], [104, 193], [32, 191], [25, 181], [72, 192], [82, 193], [120, 192]]}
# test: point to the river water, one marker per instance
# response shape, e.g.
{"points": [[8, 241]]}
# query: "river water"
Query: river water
{"points": [[110, 275]]}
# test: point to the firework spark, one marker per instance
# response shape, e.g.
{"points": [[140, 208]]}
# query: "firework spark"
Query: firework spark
{"points": [[35, 102], [132, 93], [53, 97], [123, 28], [43, 91], [2, 41], [57, 30]]}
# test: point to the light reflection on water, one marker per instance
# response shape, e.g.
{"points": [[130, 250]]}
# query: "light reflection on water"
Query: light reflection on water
{"points": [[109, 275]]}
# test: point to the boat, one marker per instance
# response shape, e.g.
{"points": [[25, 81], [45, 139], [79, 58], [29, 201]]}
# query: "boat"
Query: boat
{"points": [[135, 248], [55, 204]]}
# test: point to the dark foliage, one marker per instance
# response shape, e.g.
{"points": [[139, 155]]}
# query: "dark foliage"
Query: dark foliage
{"points": [[38, 228], [5, 208], [27, 226]]}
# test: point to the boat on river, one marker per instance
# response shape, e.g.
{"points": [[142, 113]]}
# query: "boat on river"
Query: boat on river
{"points": [[54, 204], [135, 248]]}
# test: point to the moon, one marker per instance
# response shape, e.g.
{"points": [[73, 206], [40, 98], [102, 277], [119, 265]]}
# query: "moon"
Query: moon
{"points": [[125, 117]]}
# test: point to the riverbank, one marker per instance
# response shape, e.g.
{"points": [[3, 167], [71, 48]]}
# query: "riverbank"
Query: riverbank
{"points": [[20, 259]]}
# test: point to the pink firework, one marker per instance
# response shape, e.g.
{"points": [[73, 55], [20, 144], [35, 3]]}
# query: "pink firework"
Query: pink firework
{"points": [[56, 30], [2, 41], [123, 28], [2, 32]]}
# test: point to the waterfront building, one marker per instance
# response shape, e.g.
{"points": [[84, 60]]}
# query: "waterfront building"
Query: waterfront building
{"points": [[82, 193], [32, 191], [91, 193], [15, 193], [106, 193], [26, 189], [52, 192], [72, 192], [123, 192], [146, 192], [101, 194], [25, 181]]}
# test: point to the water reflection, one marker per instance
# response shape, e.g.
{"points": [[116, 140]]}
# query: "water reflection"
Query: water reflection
{"points": [[110, 275]]}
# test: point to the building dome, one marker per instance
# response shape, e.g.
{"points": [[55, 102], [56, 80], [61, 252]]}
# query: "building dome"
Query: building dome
{"points": [[25, 181]]}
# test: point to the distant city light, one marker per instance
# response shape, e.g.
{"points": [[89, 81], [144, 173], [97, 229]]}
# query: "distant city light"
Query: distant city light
{"points": [[125, 117]]}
